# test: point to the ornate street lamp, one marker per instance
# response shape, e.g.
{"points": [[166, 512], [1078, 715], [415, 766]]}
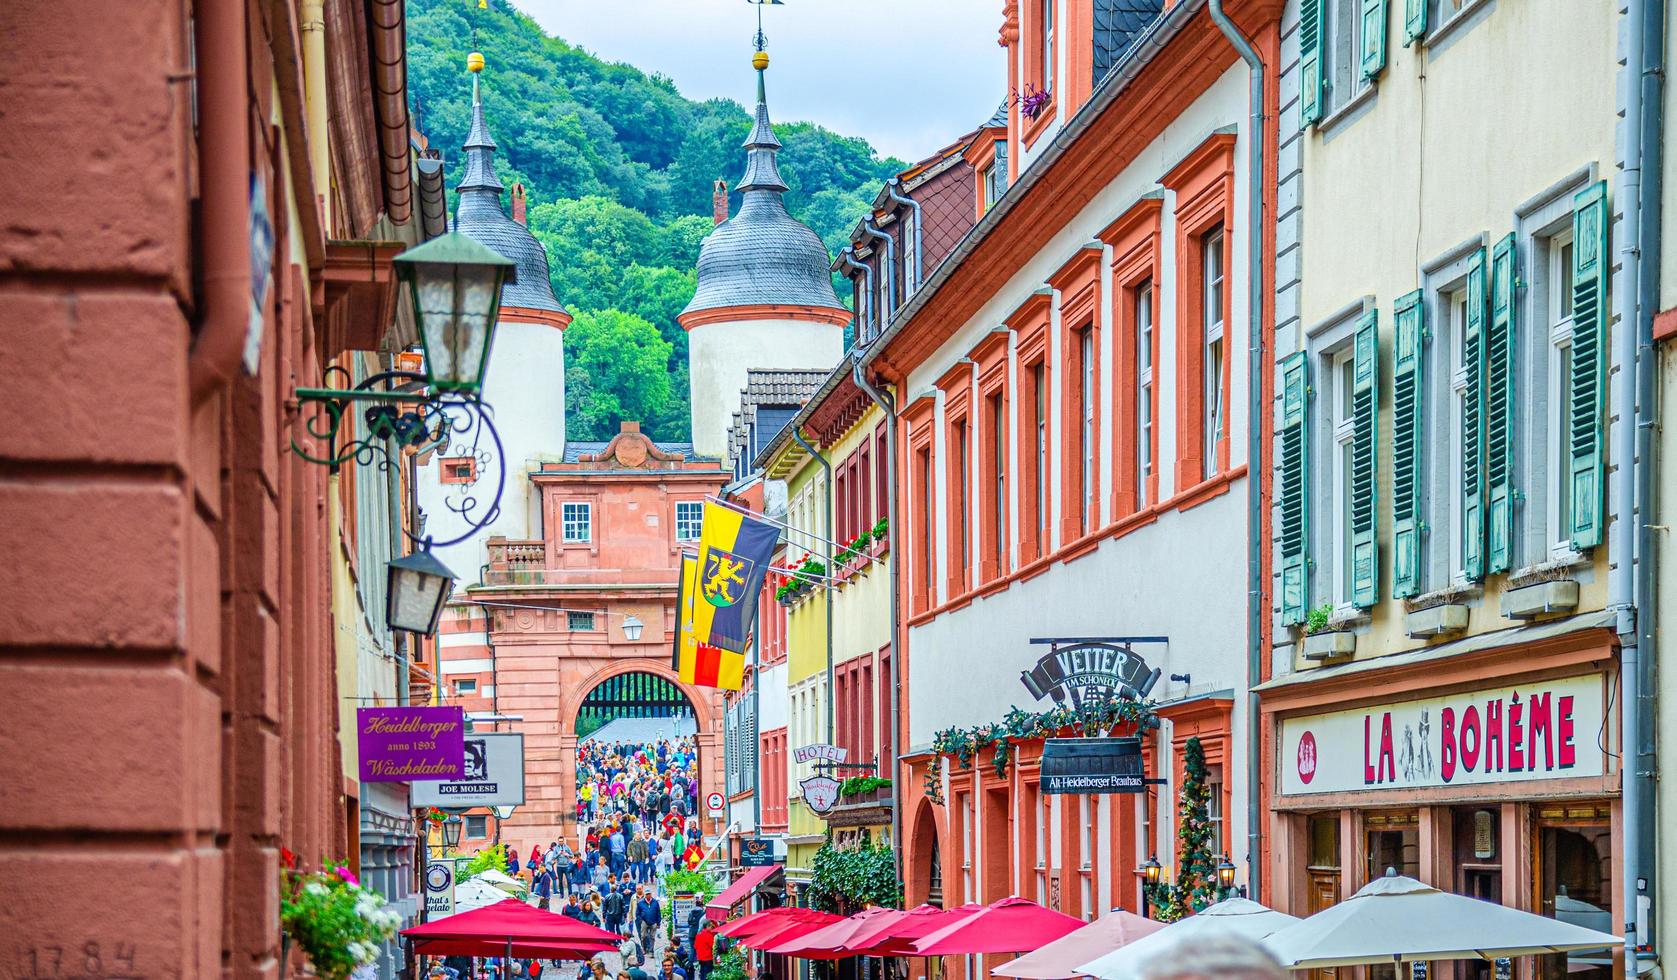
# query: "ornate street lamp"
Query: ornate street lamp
{"points": [[1225, 873], [455, 283], [632, 628], [503, 812], [1151, 868], [419, 588], [451, 831]]}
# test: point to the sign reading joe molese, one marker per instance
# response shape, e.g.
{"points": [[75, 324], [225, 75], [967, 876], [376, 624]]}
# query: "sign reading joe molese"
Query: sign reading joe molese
{"points": [[493, 775], [400, 745], [1543, 730]]}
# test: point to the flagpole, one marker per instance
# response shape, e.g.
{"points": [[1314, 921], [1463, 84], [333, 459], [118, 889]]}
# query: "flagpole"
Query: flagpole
{"points": [[826, 580], [766, 519]]}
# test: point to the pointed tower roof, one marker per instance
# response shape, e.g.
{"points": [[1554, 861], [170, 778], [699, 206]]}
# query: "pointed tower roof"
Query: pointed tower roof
{"points": [[762, 255], [480, 216]]}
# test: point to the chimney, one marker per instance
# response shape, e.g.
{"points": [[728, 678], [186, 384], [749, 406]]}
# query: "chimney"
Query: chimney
{"points": [[719, 201], [518, 203]]}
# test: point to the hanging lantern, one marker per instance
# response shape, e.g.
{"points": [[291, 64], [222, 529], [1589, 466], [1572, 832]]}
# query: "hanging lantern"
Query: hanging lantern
{"points": [[419, 587], [455, 283]]}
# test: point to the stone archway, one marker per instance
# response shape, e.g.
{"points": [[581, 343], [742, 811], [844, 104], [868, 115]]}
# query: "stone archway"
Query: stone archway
{"points": [[926, 857], [706, 704]]}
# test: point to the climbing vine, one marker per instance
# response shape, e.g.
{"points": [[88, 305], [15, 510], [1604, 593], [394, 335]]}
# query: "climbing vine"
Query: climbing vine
{"points": [[848, 878], [1196, 880]]}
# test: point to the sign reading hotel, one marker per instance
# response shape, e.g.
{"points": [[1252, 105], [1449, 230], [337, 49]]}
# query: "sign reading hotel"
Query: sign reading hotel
{"points": [[399, 745], [1546, 730], [824, 753]]}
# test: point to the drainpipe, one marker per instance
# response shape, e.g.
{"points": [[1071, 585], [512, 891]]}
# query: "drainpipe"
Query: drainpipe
{"points": [[312, 25], [1652, 107], [1255, 413], [224, 207], [883, 314], [847, 258], [1624, 537], [892, 192], [827, 543], [885, 405]]}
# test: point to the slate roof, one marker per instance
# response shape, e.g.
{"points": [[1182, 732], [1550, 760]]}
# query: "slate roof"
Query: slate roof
{"points": [[1117, 23], [766, 387], [480, 216], [762, 255]]}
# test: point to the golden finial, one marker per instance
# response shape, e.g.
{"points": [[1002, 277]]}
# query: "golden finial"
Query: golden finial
{"points": [[760, 60], [474, 62]]}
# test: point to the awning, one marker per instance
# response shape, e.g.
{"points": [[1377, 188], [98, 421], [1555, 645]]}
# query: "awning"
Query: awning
{"points": [[717, 908]]}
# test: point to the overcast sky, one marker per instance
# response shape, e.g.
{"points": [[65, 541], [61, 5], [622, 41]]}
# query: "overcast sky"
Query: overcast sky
{"points": [[908, 76]]}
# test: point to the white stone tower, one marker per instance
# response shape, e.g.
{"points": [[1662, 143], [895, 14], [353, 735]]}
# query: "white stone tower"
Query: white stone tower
{"points": [[524, 383], [765, 293]]}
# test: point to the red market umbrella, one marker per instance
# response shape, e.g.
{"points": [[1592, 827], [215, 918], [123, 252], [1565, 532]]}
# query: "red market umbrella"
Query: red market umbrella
{"points": [[793, 928], [1062, 957], [750, 925], [507, 928], [895, 935], [827, 942], [1012, 925]]}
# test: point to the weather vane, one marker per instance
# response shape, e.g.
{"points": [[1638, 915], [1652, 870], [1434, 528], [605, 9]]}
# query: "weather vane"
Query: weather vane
{"points": [[760, 39]]}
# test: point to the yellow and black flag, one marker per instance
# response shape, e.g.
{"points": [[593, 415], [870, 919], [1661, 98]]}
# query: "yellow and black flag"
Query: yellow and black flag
{"points": [[734, 554], [695, 662]]}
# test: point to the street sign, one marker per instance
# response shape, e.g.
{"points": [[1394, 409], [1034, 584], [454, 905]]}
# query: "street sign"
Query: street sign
{"points": [[494, 776], [820, 792], [715, 802], [1092, 765], [439, 889], [755, 852]]}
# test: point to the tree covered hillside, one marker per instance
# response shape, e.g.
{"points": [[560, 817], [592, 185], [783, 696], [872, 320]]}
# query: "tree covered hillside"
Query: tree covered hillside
{"points": [[618, 167]]}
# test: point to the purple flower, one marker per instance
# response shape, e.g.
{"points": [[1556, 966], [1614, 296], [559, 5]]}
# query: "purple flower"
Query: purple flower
{"points": [[344, 873]]}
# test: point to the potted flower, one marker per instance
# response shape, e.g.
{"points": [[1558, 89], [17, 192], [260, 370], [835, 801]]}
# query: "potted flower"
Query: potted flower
{"points": [[339, 925], [1323, 638]]}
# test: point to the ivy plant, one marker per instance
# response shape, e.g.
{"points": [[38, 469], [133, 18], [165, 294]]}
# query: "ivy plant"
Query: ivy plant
{"points": [[846, 879]]}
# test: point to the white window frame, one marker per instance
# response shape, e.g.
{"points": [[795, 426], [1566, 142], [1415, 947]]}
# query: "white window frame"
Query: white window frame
{"points": [[1144, 390], [576, 521], [908, 263], [1039, 377], [1086, 387], [688, 528], [460, 687], [1215, 818], [1044, 816], [1342, 56], [1455, 306], [1557, 282], [1342, 408], [1050, 54], [1214, 349], [482, 825]]}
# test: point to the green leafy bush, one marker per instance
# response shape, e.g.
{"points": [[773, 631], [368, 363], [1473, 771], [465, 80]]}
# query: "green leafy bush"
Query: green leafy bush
{"points": [[338, 924], [1316, 620], [858, 785], [493, 856], [849, 878]]}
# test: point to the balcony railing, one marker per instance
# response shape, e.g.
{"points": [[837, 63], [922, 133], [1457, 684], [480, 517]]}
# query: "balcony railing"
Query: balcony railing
{"points": [[516, 562]]}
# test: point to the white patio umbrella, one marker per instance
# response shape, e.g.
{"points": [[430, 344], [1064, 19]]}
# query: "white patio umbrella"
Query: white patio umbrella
{"points": [[501, 880], [475, 894], [1230, 917], [1398, 919]]}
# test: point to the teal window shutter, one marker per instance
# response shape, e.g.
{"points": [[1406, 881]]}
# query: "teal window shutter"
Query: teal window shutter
{"points": [[1589, 366], [1372, 29], [1473, 424], [1294, 490], [1407, 439], [1414, 20], [1365, 408], [1499, 410], [1312, 27]]}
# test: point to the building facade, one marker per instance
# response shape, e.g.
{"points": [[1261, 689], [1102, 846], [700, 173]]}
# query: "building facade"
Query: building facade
{"points": [[1452, 556], [1072, 457]]}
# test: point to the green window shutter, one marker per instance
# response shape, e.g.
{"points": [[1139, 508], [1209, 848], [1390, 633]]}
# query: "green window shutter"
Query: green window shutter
{"points": [[1365, 408], [1499, 410], [1589, 367], [1294, 490], [1414, 20], [1473, 424], [1407, 439], [1312, 24], [1372, 29]]}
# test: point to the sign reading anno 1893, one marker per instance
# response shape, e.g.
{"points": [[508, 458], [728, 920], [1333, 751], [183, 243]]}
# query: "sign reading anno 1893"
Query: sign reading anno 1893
{"points": [[1092, 765], [402, 744]]}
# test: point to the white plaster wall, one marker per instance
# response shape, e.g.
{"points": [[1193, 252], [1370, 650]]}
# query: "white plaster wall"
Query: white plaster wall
{"points": [[720, 354], [525, 383], [771, 698]]}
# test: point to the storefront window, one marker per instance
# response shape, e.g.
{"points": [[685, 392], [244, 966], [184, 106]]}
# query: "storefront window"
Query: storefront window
{"points": [[1394, 843], [1324, 871], [1477, 852], [1574, 857]]}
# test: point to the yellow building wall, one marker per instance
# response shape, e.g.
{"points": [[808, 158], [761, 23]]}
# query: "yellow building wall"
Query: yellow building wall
{"points": [[1455, 141], [862, 604]]}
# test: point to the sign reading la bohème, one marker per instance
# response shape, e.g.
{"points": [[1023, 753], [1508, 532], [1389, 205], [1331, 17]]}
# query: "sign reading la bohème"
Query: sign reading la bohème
{"points": [[1544, 730], [399, 745]]}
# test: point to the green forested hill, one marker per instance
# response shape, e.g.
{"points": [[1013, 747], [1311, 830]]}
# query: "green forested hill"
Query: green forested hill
{"points": [[618, 167]]}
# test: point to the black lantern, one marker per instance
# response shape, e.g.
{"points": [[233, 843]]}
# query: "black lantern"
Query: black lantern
{"points": [[451, 831], [1225, 872], [1150, 869], [455, 284], [632, 628], [419, 587]]}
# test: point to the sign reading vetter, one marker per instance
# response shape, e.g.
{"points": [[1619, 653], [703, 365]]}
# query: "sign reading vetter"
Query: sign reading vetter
{"points": [[1075, 671], [398, 745], [1092, 765], [1546, 730], [493, 775]]}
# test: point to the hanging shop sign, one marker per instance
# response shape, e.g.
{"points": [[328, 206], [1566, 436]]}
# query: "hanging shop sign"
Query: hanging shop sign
{"points": [[493, 775], [820, 752], [439, 889], [1547, 730], [1075, 671], [755, 852], [1092, 765], [399, 745], [820, 792]]}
